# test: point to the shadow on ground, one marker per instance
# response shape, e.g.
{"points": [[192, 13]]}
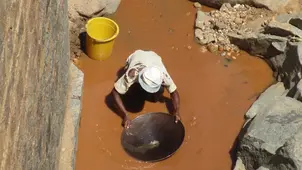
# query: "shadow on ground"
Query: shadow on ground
{"points": [[82, 37]]}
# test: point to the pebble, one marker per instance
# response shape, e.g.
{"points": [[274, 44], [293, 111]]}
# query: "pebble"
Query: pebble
{"points": [[189, 47], [228, 48], [223, 54], [220, 39], [234, 58], [238, 21], [228, 54], [220, 47], [203, 49], [188, 13], [212, 47], [242, 15], [197, 5]]}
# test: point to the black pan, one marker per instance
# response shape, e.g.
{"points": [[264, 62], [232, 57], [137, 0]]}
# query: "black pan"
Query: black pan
{"points": [[153, 137]]}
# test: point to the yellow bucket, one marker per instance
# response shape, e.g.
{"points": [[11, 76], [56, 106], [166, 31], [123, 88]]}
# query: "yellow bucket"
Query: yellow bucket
{"points": [[101, 33]]}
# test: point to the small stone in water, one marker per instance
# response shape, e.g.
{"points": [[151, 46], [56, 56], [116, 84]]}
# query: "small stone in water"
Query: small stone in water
{"points": [[229, 54], [228, 48], [223, 54], [234, 58], [212, 47], [189, 47], [220, 48], [203, 49], [197, 5]]}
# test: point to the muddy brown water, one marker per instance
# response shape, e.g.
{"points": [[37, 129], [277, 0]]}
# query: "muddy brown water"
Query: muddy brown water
{"points": [[214, 97]]}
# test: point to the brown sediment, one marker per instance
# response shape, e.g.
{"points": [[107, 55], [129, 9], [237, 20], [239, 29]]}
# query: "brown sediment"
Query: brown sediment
{"points": [[215, 93]]}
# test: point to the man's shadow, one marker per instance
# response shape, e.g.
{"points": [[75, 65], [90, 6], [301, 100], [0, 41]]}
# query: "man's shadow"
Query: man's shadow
{"points": [[135, 98]]}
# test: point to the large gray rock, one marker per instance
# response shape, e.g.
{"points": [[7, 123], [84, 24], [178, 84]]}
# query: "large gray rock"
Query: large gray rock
{"points": [[91, 8], [69, 138], [278, 6], [257, 44], [288, 64], [266, 98], [280, 44], [273, 137], [283, 29], [34, 66], [203, 34]]}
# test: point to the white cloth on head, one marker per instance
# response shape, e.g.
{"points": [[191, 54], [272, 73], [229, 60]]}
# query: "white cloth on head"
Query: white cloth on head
{"points": [[137, 65], [150, 79]]}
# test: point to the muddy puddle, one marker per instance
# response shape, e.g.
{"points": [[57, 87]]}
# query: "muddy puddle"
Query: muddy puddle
{"points": [[214, 94]]}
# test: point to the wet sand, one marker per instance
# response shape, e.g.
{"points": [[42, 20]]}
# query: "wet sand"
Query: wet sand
{"points": [[214, 97]]}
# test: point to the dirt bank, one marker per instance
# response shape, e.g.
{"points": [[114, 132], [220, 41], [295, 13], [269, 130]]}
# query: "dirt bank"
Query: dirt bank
{"points": [[215, 93]]}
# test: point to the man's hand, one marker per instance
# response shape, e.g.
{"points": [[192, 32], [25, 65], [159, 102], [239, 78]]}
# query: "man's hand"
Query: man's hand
{"points": [[177, 117], [126, 122]]}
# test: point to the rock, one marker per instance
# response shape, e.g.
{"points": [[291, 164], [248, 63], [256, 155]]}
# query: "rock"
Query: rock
{"points": [[202, 19], [213, 27], [289, 65], [226, 7], [34, 81], [257, 24], [266, 98], [255, 43], [285, 18], [272, 139], [280, 46], [203, 49], [91, 8], [271, 4], [277, 6], [238, 21], [239, 165], [212, 48], [220, 25], [110, 7], [197, 5], [262, 168], [72, 119], [297, 22], [282, 29]]}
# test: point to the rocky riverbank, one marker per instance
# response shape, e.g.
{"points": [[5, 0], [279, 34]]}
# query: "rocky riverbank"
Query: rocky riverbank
{"points": [[271, 136]]}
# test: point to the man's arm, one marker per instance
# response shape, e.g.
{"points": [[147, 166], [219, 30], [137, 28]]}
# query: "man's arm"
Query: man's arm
{"points": [[176, 101], [119, 102], [121, 108]]}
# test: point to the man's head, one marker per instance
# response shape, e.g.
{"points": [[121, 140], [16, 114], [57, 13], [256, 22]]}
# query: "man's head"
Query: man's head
{"points": [[150, 78]]}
